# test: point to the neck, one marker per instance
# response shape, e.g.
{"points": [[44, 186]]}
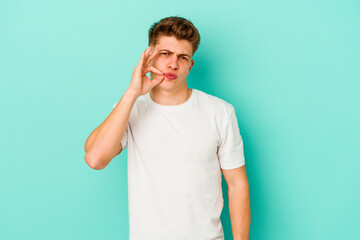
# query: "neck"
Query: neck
{"points": [[164, 97]]}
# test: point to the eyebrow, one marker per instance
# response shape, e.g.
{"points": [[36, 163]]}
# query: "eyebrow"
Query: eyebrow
{"points": [[181, 54]]}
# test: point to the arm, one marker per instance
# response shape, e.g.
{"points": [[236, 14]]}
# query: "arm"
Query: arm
{"points": [[239, 202], [103, 144]]}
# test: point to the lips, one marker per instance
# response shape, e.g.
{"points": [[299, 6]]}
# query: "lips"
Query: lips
{"points": [[170, 75]]}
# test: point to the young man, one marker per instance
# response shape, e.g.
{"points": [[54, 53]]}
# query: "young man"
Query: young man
{"points": [[179, 142]]}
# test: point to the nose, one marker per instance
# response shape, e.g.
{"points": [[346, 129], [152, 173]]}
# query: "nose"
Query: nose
{"points": [[173, 64]]}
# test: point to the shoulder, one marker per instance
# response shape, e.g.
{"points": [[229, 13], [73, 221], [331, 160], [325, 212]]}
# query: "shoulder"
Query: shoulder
{"points": [[216, 104]]}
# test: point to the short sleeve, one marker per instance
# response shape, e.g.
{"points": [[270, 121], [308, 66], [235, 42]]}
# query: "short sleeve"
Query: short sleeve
{"points": [[231, 152], [125, 137]]}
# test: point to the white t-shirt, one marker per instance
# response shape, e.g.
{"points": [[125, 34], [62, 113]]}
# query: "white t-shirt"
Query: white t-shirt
{"points": [[174, 158]]}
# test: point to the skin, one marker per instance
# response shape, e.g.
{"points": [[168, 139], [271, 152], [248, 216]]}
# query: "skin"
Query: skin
{"points": [[171, 92], [239, 202]]}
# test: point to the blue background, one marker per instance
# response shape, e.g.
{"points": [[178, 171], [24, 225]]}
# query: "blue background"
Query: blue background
{"points": [[290, 68]]}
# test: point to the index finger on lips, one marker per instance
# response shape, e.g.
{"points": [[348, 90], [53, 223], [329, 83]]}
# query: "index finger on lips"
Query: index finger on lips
{"points": [[154, 70]]}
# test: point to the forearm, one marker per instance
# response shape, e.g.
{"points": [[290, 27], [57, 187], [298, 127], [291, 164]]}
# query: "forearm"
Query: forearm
{"points": [[103, 142], [239, 207]]}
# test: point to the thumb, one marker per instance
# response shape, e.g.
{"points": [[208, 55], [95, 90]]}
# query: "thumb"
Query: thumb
{"points": [[157, 80]]}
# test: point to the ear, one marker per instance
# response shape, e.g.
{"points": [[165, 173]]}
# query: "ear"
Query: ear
{"points": [[192, 64]]}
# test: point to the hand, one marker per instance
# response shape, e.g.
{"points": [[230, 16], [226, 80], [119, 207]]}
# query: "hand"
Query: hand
{"points": [[140, 84]]}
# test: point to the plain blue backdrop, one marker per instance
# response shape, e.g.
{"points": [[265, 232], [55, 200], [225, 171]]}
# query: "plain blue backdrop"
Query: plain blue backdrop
{"points": [[290, 68]]}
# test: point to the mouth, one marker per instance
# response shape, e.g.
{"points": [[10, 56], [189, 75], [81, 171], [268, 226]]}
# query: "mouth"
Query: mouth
{"points": [[170, 75]]}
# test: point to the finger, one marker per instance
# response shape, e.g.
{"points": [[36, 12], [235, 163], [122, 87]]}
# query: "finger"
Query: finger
{"points": [[151, 57], [156, 81], [154, 70], [147, 53], [147, 61], [143, 58]]}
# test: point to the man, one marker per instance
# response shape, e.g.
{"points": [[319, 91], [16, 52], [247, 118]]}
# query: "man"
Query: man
{"points": [[179, 141]]}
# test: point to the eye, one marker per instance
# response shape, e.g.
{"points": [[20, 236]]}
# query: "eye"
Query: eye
{"points": [[164, 53], [184, 58]]}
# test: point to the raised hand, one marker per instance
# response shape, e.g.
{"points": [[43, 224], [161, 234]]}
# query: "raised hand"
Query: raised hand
{"points": [[140, 84]]}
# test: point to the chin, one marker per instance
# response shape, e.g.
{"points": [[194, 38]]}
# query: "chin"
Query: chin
{"points": [[168, 84]]}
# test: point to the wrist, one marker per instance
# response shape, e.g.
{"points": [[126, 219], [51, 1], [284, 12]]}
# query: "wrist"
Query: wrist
{"points": [[131, 93]]}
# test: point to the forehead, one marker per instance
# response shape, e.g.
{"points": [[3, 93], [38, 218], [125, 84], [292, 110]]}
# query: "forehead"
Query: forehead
{"points": [[174, 45]]}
